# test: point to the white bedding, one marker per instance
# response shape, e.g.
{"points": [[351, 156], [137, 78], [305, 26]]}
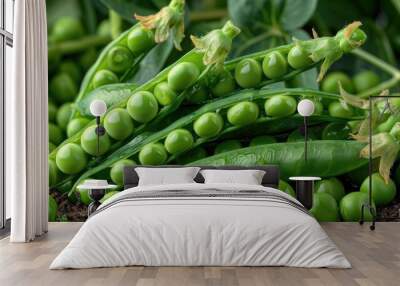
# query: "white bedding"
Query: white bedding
{"points": [[188, 231]]}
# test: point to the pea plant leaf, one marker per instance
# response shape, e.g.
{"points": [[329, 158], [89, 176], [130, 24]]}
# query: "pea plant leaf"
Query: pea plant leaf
{"points": [[245, 13], [153, 62], [296, 13], [268, 23]]}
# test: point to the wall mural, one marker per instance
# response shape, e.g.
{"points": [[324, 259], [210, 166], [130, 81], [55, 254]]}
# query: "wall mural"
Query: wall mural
{"points": [[218, 83]]}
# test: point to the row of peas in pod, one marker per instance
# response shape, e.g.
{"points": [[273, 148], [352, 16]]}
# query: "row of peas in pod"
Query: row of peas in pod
{"points": [[211, 124], [313, 49], [279, 64], [207, 124], [142, 107], [254, 72], [118, 62], [119, 123]]}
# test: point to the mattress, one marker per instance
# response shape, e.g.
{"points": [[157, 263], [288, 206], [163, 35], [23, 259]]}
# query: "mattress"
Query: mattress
{"points": [[201, 225]]}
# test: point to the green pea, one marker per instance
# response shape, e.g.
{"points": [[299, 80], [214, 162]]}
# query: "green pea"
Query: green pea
{"points": [[331, 83], [324, 207], [298, 58], [208, 125], [365, 80], [153, 154], [140, 40], [182, 76], [227, 146], [274, 65], [243, 113], [71, 159], [51, 147], [119, 59], [351, 205], [72, 69], [262, 140], [192, 155], [104, 28], [103, 77], [52, 109], [118, 124], [76, 125], [117, 170], [142, 106], [382, 193], [318, 107], [331, 186], [53, 173], [178, 141], [225, 85], [63, 88], [340, 109], [164, 94], [199, 96], [248, 73], [66, 28], [63, 115], [280, 106], [55, 134], [89, 142]]}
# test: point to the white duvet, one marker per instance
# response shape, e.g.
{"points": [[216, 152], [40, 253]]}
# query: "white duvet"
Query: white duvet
{"points": [[200, 231]]}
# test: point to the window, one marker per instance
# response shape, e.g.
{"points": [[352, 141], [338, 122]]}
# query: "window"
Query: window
{"points": [[6, 63]]}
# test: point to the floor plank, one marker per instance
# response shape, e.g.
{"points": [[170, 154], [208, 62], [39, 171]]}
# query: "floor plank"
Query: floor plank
{"points": [[375, 257]]}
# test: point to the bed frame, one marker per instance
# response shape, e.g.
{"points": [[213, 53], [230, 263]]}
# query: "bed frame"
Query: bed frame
{"points": [[271, 177]]}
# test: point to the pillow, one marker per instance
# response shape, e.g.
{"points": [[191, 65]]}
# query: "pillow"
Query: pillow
{"points": [[166, 176], [247, 177]]}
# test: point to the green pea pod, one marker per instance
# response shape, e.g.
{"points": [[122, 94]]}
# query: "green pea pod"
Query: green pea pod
{"points": [[133, 147], [120, 58], [191, 67], [209, 49], [338, 157]]}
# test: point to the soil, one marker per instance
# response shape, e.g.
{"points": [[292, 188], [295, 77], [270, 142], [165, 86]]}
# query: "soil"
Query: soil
{"points": [[67, 210], [389, 213], [77, 211]]}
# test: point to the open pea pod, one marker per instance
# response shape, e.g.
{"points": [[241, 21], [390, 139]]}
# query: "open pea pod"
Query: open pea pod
{"points": [[207, 124], [325, 158], [132, 115], [265, 67], [211, 50], [120, 59], [174, 83]]}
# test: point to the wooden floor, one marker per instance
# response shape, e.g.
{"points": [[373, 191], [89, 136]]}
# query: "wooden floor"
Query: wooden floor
{"points": [[375, 257]]}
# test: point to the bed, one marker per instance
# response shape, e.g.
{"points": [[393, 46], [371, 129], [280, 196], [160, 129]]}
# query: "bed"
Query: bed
{"points": [[198, 224]]}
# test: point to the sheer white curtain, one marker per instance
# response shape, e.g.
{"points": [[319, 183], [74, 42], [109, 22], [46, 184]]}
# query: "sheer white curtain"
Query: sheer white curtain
{"points": [[26, 124]]}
